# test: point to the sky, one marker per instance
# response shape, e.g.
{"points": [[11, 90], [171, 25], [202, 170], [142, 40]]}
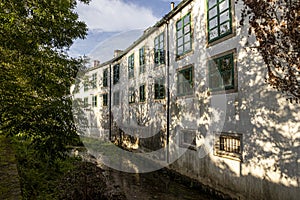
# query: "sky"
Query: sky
{"points": [[122, 15], [111, 20]]}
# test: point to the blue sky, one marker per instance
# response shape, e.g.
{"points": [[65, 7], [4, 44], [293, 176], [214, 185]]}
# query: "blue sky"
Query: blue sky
{"points": [[110, 21], [123, 15]]}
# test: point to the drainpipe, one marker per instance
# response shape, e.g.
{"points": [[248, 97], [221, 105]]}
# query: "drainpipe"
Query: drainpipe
{"points": [[168, 91], [110, 114]]}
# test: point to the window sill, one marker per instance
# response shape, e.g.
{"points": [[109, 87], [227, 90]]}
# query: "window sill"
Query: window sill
{"points": [[188, 53], [220, 39], [216, 92], [228, 155]]}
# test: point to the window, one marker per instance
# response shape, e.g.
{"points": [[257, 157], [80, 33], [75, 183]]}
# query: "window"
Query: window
{"points": [[105, 78], [184, 35], [159, 53], [229, 145], [105, 99], [185, 82], [142, 93], [159, 88], [94, 80], [131, 96], [219, 19], [86, 85], [116, 73], [116, 98], [188, 139], [142, 59], [221, 73], [94, 101], [131, 66], [86, 102]]}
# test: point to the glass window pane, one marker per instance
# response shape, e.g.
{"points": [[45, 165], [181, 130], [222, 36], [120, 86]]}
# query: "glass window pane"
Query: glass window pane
{"points": [[187, 46], [224, 28], [180, 50], [179, 41], [179, 25], [213, 23], [187, 29], [213, 33], [186, 19], [224, 17], [227, 78], [224, 5], [179, 34], [213, 12], [211, 3], [187, 38]]}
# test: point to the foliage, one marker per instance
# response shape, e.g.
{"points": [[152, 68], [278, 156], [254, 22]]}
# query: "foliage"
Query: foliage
{"points": [[36, 72], [276, 24]]}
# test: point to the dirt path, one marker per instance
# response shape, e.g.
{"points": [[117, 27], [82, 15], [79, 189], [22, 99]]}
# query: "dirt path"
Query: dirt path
{"points": [[9, 179]]}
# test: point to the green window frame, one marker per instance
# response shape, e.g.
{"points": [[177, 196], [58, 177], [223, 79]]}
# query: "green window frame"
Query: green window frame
{"points": [[116, 98], [221, 73], [159, 88], [105, 99], [131, 95], [185, 83], [219, 18], [85, 85], [85, 102], [131, 66], [94, 81], [183, 35], [159, 52], [94, 101], [105, 78], [142, 60], [116, 73], [142, 93]]}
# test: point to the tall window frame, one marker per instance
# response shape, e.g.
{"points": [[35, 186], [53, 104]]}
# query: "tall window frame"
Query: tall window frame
{"points": [[116, 73], [94, 81], [131, 95], [131, 66], [142, 60], [116, 98], [185, 81], [94, 101], [105, 99], [105, 78], [159, 49], [159, 88], [142, 93], [219, 19], [183, 35], [85, 102], [221, 72]]}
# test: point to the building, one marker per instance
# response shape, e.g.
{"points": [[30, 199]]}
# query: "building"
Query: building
{"points": [[192, 86]]}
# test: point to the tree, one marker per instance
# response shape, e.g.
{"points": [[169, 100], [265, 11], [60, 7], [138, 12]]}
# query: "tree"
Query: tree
{"points": [[36, 72], [276, 24]]}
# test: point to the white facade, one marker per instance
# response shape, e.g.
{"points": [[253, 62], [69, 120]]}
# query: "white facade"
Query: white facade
{"points": [[242, 136]]}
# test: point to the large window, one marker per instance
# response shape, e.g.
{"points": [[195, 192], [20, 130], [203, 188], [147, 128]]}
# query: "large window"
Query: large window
{"points": [[185, 82], [131, 66], [86, 102], [229, 145], [105, 78], [94, 101], [85, 85], [184, 35], [94, 80], [142, 93], [116, 73], [159, 88], [159, 52], [142, 60], [116, 98], [131, 95], [219, 19], [105, 99], [221, 73]]}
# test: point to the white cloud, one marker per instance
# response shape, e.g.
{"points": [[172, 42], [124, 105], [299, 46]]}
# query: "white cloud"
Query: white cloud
{"points": [[115, 15]]}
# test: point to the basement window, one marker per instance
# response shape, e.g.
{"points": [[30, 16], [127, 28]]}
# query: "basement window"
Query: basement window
{"points": [[229, 145]]}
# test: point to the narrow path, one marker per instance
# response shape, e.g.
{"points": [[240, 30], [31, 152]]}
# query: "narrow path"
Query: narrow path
{"points": [[9, 179]]}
